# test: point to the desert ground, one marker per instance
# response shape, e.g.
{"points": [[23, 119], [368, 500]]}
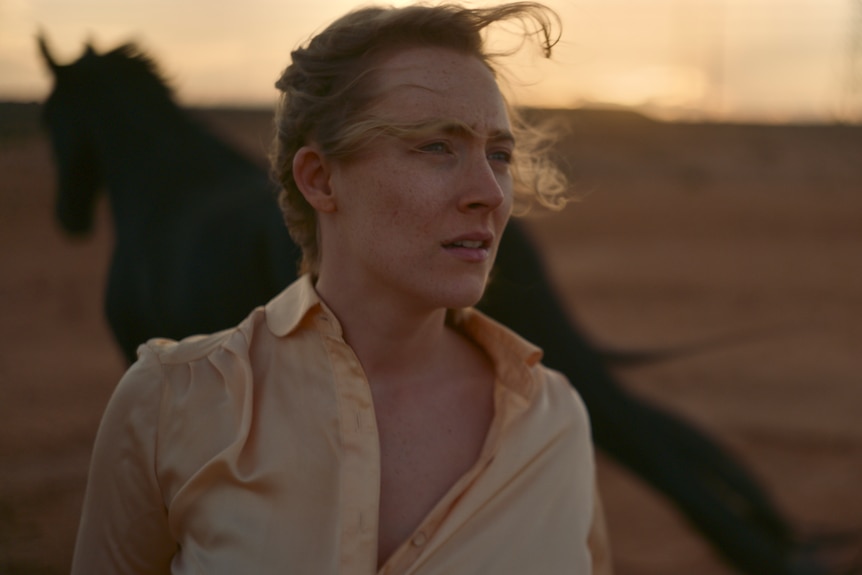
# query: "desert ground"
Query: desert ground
{"points": [[748, 238]]}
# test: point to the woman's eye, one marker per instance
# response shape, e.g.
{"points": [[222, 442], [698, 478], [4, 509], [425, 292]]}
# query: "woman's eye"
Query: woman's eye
{"points": [[502, 156], [436, 148]]}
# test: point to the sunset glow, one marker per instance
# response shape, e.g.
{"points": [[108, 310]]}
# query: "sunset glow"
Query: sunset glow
{"points": [[762, 60]]}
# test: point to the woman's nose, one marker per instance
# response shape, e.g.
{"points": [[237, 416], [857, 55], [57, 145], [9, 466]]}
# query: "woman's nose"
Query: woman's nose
{"points": [[482, 186]]}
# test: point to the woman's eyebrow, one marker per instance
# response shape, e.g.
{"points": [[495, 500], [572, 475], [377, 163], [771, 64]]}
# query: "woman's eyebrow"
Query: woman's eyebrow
{"points": [[502, 136], [454, 128]]}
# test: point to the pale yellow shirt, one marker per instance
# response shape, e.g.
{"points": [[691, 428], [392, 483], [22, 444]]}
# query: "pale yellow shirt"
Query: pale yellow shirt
{"points": [[255, 451]]}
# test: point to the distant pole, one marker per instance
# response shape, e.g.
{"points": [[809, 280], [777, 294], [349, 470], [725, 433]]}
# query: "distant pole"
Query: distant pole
{"points": [[850, 104]]}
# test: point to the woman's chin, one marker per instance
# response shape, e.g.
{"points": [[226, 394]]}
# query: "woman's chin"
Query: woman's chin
{"points": [[467, 294]]}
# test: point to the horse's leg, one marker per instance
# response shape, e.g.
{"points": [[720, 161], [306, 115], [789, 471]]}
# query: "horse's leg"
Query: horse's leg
{"points": [[655, 447]]}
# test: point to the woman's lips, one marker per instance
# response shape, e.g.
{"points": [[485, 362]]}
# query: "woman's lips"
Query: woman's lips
{"points": [[472, 248]]}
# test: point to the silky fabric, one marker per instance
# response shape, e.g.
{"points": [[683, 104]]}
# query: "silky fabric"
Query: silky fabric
{"points": [[255, 450]]}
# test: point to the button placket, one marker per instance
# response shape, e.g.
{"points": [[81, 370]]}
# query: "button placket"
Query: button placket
{"points": [[360, 456]]}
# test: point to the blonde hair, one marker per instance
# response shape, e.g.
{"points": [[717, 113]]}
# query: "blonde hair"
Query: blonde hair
{"points": [[330, 84]]}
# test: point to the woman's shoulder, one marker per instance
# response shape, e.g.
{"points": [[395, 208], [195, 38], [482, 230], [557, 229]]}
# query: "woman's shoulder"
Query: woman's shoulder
{"points": [[199, 368], [274, 319], [169, 351], [558, 387], [200, 346]]}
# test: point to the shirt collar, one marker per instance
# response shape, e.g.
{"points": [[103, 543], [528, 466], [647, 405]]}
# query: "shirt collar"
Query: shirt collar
{"points": [[513, 355], [286, 311], [510, 352]]}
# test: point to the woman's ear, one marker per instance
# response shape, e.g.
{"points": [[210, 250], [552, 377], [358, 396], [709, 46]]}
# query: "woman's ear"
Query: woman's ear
{"points": [[311, 173]]}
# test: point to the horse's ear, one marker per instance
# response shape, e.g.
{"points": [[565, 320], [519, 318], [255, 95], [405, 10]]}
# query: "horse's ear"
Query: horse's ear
{"points": [[88, 49], [46, 52]]}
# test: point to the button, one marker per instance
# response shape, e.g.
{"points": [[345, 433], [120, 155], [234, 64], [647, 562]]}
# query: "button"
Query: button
{"points": [[419, 539]]}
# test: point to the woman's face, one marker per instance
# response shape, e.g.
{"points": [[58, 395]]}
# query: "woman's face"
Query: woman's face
{"points": [[419, 215]]}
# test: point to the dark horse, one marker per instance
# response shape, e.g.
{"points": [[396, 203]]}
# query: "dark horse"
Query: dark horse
{"points": [[200, 241]]}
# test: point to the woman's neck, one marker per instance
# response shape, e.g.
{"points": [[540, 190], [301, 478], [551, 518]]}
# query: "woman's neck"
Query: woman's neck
{"points": [[388, 338]]}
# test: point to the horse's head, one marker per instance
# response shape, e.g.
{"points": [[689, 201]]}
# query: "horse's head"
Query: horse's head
{"points": [[67, 115], [91, 98]]}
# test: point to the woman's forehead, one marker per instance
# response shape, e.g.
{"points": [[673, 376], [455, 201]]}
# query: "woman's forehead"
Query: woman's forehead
{"points": [[439, 82]]}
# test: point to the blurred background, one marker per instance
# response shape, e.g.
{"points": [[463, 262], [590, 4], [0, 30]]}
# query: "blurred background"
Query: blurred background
{"points": [[715, 146], [739, 60]]}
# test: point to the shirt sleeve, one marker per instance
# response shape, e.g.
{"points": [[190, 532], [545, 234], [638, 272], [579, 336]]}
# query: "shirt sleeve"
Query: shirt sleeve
{"points": [[124, 525]]}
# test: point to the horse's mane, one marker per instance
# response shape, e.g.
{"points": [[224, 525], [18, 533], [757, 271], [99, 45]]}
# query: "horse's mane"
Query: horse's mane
{"points": [[129, 65]]}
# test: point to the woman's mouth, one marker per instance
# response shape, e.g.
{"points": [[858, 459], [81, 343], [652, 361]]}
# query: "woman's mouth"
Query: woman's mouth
{"points": [[469, 250]]}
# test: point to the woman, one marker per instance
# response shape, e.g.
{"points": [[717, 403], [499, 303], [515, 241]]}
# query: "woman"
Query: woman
{"points": [[367, 419]]}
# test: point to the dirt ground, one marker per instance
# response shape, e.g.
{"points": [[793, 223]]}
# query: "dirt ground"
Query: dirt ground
{"points": [[747, 236]]}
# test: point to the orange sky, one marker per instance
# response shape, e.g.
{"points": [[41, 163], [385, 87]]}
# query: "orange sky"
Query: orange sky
{"points": [[761, 60]]}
